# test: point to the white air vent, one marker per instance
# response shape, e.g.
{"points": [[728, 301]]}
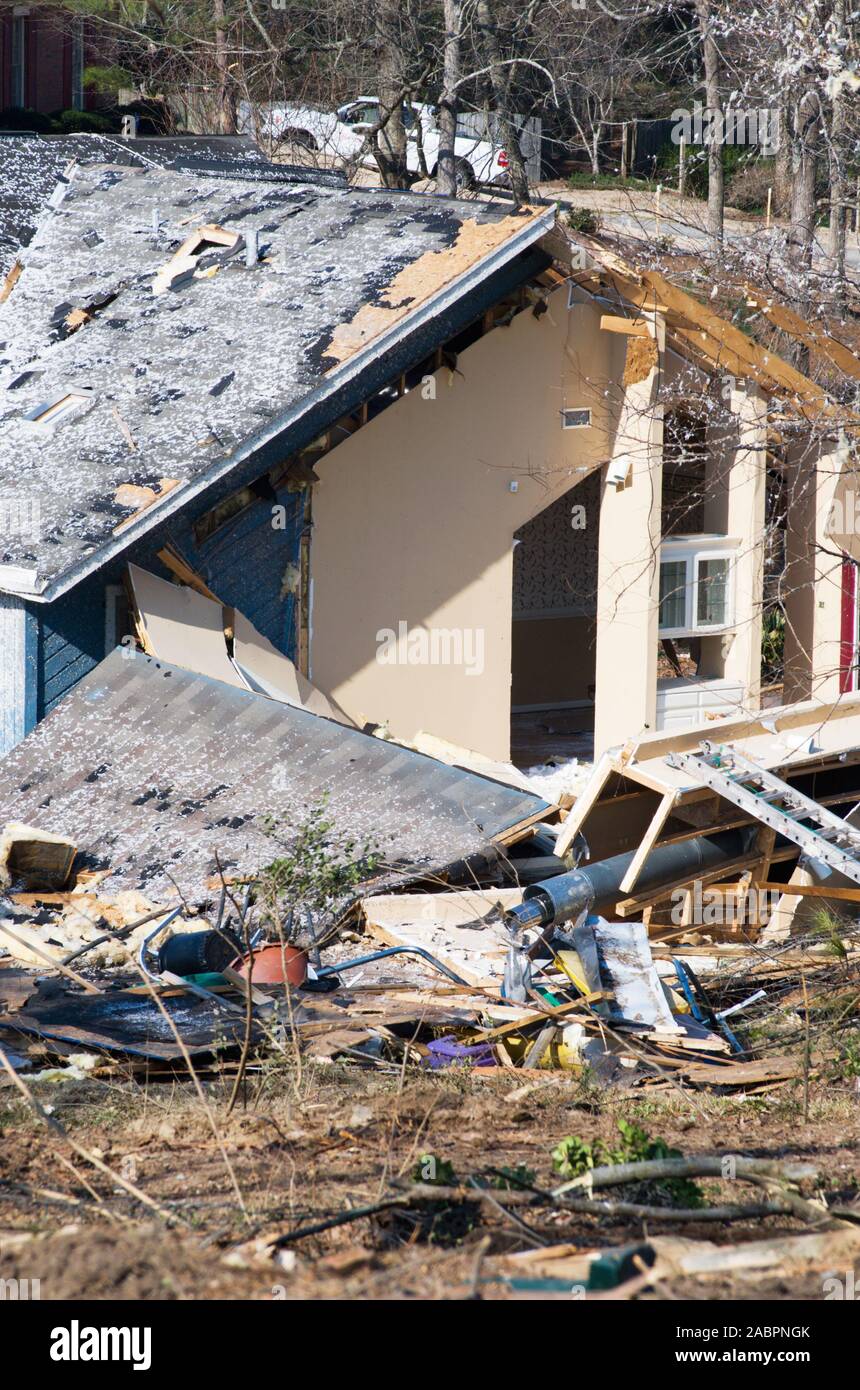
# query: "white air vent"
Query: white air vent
{"points": [[59, 407], [578, 419]]}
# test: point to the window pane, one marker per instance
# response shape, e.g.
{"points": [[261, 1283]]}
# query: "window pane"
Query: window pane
{"points": [[711, 609], [673, 593]]}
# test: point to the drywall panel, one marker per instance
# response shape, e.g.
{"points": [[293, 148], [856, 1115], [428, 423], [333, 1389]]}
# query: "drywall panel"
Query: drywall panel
{"points": [[183, 627], [268, 671]]}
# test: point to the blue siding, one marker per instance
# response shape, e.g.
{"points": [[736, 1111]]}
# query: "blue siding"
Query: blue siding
{"points": [[244, 562], [71, 641]]}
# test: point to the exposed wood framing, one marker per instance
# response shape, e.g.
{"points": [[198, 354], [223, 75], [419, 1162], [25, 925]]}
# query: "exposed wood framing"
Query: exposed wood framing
{"points": [[581, 808], [173, 561], [696, 329], [648, 841], [10, 281]]}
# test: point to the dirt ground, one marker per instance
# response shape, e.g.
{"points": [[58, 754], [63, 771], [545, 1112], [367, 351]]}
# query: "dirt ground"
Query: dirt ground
{"points": [[311, 1143]]}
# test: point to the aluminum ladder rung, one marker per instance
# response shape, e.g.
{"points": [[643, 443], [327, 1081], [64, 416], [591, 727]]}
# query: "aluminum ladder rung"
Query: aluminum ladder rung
{"points": [[829, 839]]}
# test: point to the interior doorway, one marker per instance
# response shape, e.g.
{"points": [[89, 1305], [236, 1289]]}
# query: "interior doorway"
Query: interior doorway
{"points": [[554, 629]]}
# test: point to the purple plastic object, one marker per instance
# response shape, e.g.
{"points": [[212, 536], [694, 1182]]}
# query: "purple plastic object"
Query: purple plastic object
{"points": [[446, 1051]]}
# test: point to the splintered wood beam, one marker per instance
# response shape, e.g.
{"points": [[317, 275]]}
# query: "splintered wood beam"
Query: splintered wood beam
{"points": [[173, 561], [583, 805], [762, 365], [11, 280], [811, 890], [714, 337], [818, 340], [633, 328]]}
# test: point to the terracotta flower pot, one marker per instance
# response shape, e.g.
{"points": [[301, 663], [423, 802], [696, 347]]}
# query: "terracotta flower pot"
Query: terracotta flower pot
{"points": [[271, 962]]}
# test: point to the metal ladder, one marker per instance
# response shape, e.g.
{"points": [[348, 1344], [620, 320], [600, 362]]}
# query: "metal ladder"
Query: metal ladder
{"points": [[828, 839]]}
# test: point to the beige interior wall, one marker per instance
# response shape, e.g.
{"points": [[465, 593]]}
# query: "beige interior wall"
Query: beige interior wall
{"points": [[553, 660], [414, 519]]}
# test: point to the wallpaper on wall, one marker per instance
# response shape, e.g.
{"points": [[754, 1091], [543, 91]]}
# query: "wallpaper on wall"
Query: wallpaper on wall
{"points": [[555, 562]]}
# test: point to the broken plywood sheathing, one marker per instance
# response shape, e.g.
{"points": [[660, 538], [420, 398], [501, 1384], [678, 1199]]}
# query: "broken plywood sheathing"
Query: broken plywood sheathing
{"points": [[641, 358], [153, 771], [133, 494], [430, 272]]}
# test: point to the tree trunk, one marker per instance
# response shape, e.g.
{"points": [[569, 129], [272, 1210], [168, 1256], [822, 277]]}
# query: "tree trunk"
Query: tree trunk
{"points": [[782, 166], [838, 194], [711, 61], [839, 151], [595, 148], [507, 130], [446, 177], [807, 134], [391, 140], [225, 95]]}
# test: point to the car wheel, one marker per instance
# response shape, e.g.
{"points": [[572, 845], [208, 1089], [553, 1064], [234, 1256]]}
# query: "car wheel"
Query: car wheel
{"points": [[465, 175], [302, 139]]}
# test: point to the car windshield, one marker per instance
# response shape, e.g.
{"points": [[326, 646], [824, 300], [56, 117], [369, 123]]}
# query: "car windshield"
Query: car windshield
{"points": [[367, 113], [363, 114]]}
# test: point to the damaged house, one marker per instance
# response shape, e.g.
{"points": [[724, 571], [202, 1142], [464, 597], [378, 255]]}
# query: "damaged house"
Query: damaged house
{"points": [[454, 466]]}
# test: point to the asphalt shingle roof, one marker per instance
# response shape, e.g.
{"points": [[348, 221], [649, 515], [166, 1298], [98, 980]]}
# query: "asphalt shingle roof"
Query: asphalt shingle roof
{"points": [[180, 380], [151, 769], [31, 166]]}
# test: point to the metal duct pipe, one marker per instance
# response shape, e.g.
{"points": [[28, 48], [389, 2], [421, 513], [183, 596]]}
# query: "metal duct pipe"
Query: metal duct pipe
{"points": [[597, 885]]}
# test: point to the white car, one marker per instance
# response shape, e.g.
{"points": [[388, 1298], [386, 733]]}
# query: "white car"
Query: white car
{"points": [[341, 134]]}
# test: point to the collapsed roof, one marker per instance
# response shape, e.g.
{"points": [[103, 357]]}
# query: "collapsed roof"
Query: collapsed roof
{"points": [[289, 293], [153, 771]]}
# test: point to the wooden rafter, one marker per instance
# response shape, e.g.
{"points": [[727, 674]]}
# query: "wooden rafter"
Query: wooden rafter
{"points": [[699, 330]]}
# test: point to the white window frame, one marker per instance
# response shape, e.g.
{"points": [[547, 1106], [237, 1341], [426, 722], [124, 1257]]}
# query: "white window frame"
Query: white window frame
{"points": [[690, 551]]}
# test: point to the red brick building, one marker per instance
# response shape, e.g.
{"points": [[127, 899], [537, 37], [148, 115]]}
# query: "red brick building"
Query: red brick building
{"points": [[41, 59]]}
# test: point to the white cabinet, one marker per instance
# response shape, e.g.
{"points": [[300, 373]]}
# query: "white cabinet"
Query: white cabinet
{"points": [[683, 703]]}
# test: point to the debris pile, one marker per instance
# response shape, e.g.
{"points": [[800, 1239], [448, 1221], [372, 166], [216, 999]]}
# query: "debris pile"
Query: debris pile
{"points": [[228, 877]]}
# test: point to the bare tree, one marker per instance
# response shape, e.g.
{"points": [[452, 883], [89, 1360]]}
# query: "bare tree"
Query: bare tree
{"points": [[391, 140], [499, 81], [446, 178], [713, 101], [226, 95]]}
